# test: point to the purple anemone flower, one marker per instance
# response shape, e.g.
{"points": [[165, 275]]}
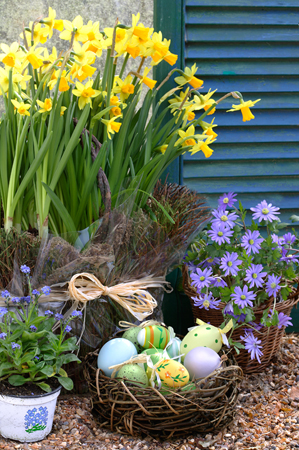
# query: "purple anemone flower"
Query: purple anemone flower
{"points": [[220, 233], [284, 320], [251, 241], [289, 238], [191, 266], [288, 258], [222, 216], [252, 344], [201, 278], [272, 285], [206, 301], [210, 262], [227, 200], [218, 282], [265, 211], [254, 275], [228, 309], [230, 263], [243, 297]]}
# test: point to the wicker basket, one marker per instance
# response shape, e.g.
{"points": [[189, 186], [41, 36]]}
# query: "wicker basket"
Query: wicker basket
{"points": [[130, 409], [270, 337]]}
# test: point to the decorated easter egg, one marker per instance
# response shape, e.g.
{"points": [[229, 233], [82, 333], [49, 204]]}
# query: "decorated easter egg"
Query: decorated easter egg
{"points": [[202, 336], [201, 362], [153, 336], [172, 373], [133, 373], [115, 352], [174, 348], [156, 355], [131, 335]]}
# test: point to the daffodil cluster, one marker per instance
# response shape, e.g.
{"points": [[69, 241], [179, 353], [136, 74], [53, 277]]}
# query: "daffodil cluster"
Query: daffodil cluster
{"points": [[65, 120]]}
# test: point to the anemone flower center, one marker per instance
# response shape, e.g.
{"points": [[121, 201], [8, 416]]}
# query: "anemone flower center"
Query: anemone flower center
{"points": [[254, 275], [220, 233], [206, 303], [224, 218], [202, 278], [273, 285], [243, 297], [265, 211], [229, 263], [225, 200], [251, 241]]}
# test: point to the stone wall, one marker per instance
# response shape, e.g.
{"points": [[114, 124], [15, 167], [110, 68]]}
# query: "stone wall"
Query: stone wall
{"points": [[14, 12]]}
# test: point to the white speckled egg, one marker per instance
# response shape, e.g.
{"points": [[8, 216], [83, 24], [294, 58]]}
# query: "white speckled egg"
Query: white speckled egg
{"points": [[202, 336], [201, 362], [133, 373], [115, 352]]}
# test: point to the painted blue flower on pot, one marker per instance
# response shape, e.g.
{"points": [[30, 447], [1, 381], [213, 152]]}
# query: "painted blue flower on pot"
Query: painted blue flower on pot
{"points": [[36, 419]]}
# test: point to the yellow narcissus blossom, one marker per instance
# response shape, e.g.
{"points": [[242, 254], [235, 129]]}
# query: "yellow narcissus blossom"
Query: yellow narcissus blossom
{"points": [[162, 148], [208, 129], [40, 34], [82, 69], [12, 57], [112, 126], [160, 50], [120, 39], [203, 146], [62, 109], [63, 83], [124, 88], [16, 78], [245, 109], [189, 77], [149, 83], [95, 41], [34, 57], [204, 102], [21, 108], [188, 137], [81, 31], [52, 23], [46, 106], [85, 93]]}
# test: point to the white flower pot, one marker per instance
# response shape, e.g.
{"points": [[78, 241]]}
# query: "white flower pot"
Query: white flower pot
{"points": [[27, 419]]}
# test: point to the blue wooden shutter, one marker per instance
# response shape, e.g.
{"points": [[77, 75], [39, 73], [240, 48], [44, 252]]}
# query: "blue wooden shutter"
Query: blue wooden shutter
{"points": [[252, 47]]}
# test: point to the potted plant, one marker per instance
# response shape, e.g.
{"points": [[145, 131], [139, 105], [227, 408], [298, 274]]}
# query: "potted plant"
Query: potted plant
{"points": [[245, 273], [31, 360]]}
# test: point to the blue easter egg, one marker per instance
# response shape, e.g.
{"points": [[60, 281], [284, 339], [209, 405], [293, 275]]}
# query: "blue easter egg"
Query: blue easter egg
{"points": [[115, 352]]}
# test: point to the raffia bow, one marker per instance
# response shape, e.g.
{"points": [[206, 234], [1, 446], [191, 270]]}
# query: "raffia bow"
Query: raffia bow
{"points": [[132, 296]]}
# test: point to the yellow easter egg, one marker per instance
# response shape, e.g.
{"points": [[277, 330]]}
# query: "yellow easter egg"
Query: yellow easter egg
{"points": [[153, 337], [202, 336], [172, 373]]}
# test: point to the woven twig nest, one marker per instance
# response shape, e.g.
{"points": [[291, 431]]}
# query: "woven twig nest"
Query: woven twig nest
{"points": [[131, 409]]}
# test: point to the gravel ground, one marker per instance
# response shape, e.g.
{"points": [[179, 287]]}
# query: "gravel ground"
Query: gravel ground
{"points": [[267, 417]]}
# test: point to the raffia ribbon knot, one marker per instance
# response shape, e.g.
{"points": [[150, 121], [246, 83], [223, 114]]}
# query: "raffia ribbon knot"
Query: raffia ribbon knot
{"points": [[132, 296]]}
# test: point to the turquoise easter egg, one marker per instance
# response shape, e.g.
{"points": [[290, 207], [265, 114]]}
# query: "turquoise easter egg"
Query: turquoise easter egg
{"points": [[174, 348], [115, 352]]}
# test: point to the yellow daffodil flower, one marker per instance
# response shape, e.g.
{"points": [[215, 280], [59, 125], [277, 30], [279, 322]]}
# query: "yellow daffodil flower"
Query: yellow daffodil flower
{"points": [[148, 81], [34, 57], [124, 88], [52, 23], [188, 137], [208, 129], [85, 93], [62, 109], [204, 102], [82, 69], [95, 41], [189, 77], [245, 109], [12, 57], [64, 81], [40, 34], [81, 31], [46, 106], [120, 39], [112, 126], [160, 50], [16, 78], [133, 51], [21, 108], [204, 147]]}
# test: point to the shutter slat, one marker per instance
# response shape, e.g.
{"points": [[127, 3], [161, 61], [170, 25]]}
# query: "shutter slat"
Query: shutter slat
{"points": [[252, 4], [244, 67], [244, 51]]}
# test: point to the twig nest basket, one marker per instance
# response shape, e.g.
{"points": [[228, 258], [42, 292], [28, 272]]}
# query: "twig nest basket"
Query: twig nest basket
{"points": [[129, 408]]}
